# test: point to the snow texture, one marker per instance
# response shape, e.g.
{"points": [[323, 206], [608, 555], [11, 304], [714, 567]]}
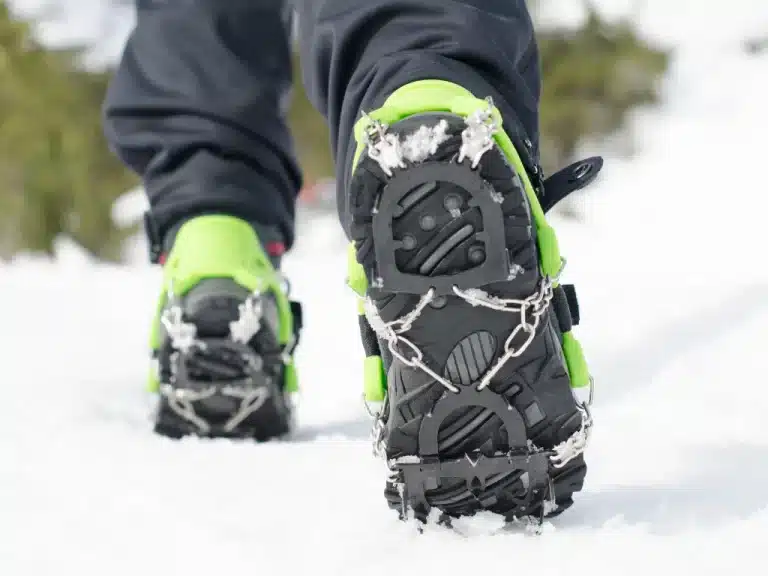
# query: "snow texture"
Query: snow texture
{"points": [[424, 142], [674, 297]]}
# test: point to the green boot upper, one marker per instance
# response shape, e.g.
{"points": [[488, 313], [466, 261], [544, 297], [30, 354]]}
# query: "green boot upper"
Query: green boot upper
{"points": [[220, 246]]}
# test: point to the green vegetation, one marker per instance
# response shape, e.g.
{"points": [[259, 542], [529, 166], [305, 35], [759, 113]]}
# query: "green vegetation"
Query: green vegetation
{"points": [[593, 78], [58, 177]]}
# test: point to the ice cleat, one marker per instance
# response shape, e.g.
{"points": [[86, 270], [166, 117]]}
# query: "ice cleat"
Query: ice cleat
{"points": [[466, 327], [224, 335]]}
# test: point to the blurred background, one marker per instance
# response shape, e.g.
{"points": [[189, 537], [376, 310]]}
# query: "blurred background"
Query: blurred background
{"points": [[58, 179]]}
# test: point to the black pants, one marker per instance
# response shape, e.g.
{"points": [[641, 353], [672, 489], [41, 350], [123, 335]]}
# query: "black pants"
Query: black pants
{"points": [[197, 106]]}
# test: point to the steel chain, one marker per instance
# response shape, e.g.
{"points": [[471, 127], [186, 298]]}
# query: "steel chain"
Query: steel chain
{"points": [[183, 337], [477, 139]]}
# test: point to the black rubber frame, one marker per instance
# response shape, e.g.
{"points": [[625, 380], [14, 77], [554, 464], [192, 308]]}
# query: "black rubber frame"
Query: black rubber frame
{"points": [[428, 473], [496, 267]]}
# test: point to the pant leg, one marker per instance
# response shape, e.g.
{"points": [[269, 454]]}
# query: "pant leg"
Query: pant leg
{"points": [[355, 53], [197, 108]]}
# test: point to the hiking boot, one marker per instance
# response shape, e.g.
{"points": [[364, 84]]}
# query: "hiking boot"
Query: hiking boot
{"points": [[466, 328], [224, 335]]}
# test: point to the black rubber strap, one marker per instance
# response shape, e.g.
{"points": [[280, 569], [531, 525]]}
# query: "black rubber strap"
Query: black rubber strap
{"points": [[154, 241], [369, 338], [571, 178], [573, 303], [562, 311], [298, 321]]}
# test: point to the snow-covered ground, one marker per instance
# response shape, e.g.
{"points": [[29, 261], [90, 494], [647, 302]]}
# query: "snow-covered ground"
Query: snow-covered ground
{"points": [[674, 290]]}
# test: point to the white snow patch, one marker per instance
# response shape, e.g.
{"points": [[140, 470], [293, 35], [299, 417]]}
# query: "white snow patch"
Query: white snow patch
{"points": [[424, 142], [129, 208], [477, 296], [101, 25]]}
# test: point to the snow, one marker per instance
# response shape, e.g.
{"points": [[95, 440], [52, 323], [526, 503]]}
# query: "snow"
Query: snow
{"points": [[100, 25], [670, 269]]}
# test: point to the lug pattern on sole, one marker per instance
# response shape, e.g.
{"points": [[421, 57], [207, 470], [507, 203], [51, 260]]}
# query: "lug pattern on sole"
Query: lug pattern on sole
{"points": [[438, 231], [226, 371]]}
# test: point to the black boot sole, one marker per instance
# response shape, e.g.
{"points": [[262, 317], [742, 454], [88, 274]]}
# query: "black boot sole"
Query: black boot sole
{"points": [[220, 375], [437, 224]]}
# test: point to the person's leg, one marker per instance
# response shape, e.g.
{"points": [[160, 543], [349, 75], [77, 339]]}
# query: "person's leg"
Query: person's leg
{"points": [[467, 333], [197, 108], [355, 54]]}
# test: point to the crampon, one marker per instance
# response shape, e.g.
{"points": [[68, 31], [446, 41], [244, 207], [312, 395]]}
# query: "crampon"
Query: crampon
{"points": [[466, 327]]}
